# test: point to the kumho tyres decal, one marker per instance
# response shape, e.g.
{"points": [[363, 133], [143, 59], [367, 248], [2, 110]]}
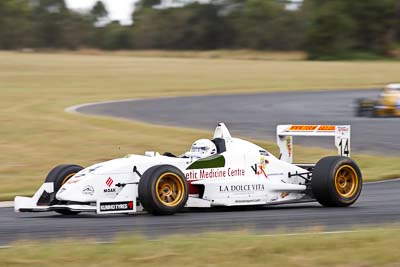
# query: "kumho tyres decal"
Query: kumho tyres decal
{"points": [[214, 161], [117, 206]]}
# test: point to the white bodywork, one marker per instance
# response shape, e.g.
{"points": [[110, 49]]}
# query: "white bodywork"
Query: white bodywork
{"points": [[250, 175]]}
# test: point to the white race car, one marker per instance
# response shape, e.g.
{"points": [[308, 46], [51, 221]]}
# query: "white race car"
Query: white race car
{"points": [[224, 171]]}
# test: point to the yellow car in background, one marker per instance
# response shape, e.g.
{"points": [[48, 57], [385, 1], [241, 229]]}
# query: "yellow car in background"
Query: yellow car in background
{"points": [[388, 104]]}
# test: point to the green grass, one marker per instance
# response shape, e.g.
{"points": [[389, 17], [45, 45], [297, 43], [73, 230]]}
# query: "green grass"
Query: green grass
{"points": [[36, 133], [373, 247]]}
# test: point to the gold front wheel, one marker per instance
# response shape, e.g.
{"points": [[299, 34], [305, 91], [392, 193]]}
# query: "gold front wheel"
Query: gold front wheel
{"points": [[169, 189], [163, 190]]}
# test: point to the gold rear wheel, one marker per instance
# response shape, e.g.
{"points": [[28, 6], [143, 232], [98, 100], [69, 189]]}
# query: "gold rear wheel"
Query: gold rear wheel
{"points": [[336, 181], [346, 181]]}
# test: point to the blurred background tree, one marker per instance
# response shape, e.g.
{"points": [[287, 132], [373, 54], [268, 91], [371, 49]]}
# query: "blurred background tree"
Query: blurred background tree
{"points": [[330, 30], [195, 26], [323, 28], [98, 12], [260, 24], [15, 24], [49, 18], [339, 28]]}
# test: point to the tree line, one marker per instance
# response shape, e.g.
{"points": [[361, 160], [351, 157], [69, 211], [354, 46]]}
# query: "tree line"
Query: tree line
{"points": [[323, 28]]}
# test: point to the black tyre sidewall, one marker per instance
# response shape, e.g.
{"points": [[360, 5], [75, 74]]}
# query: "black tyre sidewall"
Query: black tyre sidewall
{"points": [[323, 182], [147, 190], [58, 174]]}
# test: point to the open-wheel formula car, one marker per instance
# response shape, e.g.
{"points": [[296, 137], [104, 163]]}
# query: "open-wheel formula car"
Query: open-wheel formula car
{"points": [[224, 171], [387, 105]]}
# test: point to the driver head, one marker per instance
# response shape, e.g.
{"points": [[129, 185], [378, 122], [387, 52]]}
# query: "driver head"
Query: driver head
{"points": [[203, 148]]}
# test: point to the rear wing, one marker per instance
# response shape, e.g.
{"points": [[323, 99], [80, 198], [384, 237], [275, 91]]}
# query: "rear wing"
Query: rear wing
{"points": [[285, 134]]}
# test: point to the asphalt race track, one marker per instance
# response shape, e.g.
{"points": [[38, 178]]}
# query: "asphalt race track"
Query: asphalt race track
{"points": [[257, 115], [248, 115], [379, 203]]}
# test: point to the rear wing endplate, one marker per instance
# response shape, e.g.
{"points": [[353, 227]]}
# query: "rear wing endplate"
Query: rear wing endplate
{"points": [[285, 134]]}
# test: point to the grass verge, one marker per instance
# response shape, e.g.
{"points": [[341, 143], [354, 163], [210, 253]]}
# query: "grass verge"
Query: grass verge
{"points": [[36, 134], [374, 247], [240, 54]]}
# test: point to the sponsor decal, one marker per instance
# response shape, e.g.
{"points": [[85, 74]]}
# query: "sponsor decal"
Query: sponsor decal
{"points": [[276, 174], [88, 190], [213, 173], [275, 198], [116, 206], [260, 167], [303, 127], [309, 128], [342, 129], [328, 128], [73, 180], [248, 200], [110, 190], [241, 188], [94, 168], [284, 194], [289, 145], [263, 162], [109, 182], [263, 153]]}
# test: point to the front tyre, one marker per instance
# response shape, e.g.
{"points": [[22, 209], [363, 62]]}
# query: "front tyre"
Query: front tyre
{"points": [[336, 181], [59, 176], [163, 190]]}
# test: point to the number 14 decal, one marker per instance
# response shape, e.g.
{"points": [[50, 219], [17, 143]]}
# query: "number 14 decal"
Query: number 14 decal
{"points": [[344, 147]]}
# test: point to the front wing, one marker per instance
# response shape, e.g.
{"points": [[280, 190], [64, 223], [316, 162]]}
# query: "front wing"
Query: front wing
{"points": [[44, 200]]}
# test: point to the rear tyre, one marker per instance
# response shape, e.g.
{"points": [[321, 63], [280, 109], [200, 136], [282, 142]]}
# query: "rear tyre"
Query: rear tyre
{"points": [[59, 176], [163, 190], [336, 181]]}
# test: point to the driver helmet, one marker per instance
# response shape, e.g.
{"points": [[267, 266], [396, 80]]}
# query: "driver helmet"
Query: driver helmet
{"points": [[203, 148]]}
